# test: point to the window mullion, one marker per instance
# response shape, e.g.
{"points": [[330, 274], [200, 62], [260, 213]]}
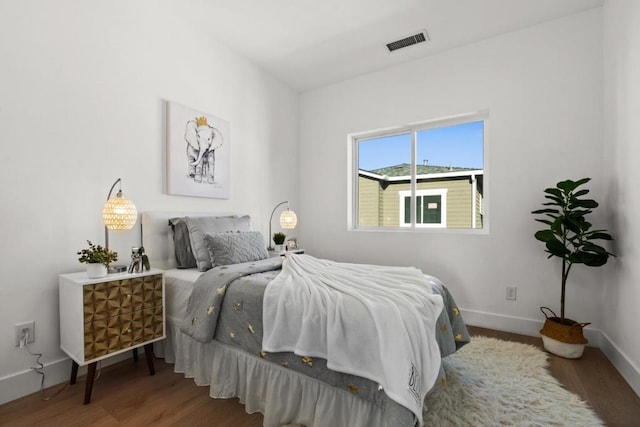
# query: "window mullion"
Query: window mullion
{"points": [[413, 178]]}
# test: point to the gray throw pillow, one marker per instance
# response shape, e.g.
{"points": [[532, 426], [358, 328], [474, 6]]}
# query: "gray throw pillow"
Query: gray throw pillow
{"points": [[235, 248], [182, 243], [199, 226]]}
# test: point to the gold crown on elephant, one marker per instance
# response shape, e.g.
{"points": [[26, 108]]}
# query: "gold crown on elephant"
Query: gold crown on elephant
{"points": [[201, 121]]}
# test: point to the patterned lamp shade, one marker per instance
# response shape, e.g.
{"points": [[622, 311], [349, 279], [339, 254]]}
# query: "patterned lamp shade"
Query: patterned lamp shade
{"points": [[288, 219], [119, 213]]}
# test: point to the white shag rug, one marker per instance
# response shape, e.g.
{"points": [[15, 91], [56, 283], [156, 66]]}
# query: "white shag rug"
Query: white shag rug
{"points": [[491, 382]]}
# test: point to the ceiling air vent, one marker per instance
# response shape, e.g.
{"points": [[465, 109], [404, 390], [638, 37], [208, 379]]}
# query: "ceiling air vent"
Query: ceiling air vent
{"points": [[420, 37]]}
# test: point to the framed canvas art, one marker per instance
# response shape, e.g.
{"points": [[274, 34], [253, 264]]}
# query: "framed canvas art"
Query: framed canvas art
{"points": [[198, 153]]}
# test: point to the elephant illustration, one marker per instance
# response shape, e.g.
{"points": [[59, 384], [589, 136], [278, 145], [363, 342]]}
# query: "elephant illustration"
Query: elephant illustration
{"points": [[202, 142]]}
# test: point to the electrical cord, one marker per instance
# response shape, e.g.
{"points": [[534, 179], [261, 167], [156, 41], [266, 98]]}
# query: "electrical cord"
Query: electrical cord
{"points": [[99, 370], [39, 369]]}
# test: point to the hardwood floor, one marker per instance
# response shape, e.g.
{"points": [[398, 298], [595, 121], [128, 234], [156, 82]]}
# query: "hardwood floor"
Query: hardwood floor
{"points": [[125, 395]]}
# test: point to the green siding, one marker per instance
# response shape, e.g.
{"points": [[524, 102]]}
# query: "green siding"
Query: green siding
{"points": [[369, 202], [479, 214]]}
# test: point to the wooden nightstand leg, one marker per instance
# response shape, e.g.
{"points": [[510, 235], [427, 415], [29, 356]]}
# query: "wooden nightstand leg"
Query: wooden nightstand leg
{"points": [[74, 373], [148, 352], [135, 355], [91, 375]]}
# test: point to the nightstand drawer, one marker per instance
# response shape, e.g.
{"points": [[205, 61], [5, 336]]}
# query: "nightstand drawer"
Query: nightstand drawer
{"points": [[113, 334], [109, 299]]}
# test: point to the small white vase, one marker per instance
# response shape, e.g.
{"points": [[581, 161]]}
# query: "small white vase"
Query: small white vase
{"points": [[96, 270]]}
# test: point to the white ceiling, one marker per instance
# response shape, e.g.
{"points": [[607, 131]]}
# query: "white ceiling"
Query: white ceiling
{"points": [[312, 43]]}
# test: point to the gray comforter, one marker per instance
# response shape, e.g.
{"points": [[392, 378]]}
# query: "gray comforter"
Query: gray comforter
{"points": [[226, 305]]}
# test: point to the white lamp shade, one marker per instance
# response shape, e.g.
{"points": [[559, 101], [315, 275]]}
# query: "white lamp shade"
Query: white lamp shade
{"points": [[288, 219], [119, 213]]}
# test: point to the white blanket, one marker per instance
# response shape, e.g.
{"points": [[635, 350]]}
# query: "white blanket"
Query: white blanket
{"points": [[373, 321]]}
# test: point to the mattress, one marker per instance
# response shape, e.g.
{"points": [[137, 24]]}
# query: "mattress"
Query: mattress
{"points": [[178, 284]]}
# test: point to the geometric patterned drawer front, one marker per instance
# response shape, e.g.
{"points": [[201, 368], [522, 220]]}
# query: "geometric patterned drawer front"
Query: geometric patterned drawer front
{"points": [[121, 313], [104, 300], [107, 335]]}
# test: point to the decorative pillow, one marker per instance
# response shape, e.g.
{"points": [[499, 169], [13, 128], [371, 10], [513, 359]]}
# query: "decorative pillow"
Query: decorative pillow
{"points": [[199, 226], [235, 248], [182, 243]]}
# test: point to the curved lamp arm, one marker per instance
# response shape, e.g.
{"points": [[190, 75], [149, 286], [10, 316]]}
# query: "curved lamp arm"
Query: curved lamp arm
{"points": [[106, 230], [270, 248]]}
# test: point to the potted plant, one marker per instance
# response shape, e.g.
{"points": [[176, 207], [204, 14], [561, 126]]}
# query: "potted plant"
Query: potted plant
{"points": [[97, 259], [278, 239], [568, 236]]}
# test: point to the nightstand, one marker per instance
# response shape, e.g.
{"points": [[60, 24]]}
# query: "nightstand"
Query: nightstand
{"points": [[273, 254], [100, 318]]}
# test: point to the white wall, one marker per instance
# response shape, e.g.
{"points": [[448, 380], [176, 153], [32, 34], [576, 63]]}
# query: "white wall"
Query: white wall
{"points": [[622, 151], [82, 90], [543, 88]]}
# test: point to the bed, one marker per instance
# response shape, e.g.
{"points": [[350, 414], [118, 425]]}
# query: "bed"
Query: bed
{"points": [[286, 388]]}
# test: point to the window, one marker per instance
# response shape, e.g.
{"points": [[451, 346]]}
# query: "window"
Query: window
{"points": [[431, 208], [429, 175]]}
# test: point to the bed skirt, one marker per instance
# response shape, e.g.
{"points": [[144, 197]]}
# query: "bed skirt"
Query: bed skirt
{"points": [[282, 395]]}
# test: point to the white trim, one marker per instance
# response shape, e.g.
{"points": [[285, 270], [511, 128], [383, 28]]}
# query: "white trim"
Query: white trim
{"points": [[518, 325], [26, 382], [456, 174], [442, 192], [353, 185], [450, 174], [474, 191], [629, 370], [371, 175]]}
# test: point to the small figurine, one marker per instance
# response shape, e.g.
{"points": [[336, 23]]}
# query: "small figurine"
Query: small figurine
{"points": [[139, 261], [145, 260]]}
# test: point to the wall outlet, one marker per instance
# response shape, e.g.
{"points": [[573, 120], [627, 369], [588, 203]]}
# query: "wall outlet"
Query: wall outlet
{"points": [[512, 293], [31, 330]]}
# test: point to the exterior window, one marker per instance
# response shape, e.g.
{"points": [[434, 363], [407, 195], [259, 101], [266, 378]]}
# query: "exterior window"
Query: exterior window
{"points": [[421, 176], [431, 208]]}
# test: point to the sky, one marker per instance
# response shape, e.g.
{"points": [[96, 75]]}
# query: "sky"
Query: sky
{"points": [[457, 146]]}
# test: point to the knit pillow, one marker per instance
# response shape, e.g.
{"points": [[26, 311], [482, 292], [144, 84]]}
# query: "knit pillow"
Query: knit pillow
{"points": [[200, 226], [236, 247]]}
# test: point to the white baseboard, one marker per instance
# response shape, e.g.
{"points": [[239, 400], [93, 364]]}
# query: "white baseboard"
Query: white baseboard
{"points": [[26, 382], [623, 364], [518, 325]]}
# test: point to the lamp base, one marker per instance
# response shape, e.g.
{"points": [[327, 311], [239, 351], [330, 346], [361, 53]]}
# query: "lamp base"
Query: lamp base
{"points": [[117, 269]]}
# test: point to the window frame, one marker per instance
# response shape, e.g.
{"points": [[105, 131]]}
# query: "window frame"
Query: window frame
{"points": [[353, 140]]}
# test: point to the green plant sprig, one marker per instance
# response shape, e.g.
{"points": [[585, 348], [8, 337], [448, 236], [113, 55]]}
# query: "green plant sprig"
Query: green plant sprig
{"points": [[278, 238], [97, 254]]}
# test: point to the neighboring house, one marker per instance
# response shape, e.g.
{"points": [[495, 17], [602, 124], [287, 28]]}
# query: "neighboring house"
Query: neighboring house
{"points": [[446, 197]]}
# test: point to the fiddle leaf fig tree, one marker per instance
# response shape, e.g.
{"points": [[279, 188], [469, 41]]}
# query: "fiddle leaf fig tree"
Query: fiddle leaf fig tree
{"points": [[568, 234]]}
